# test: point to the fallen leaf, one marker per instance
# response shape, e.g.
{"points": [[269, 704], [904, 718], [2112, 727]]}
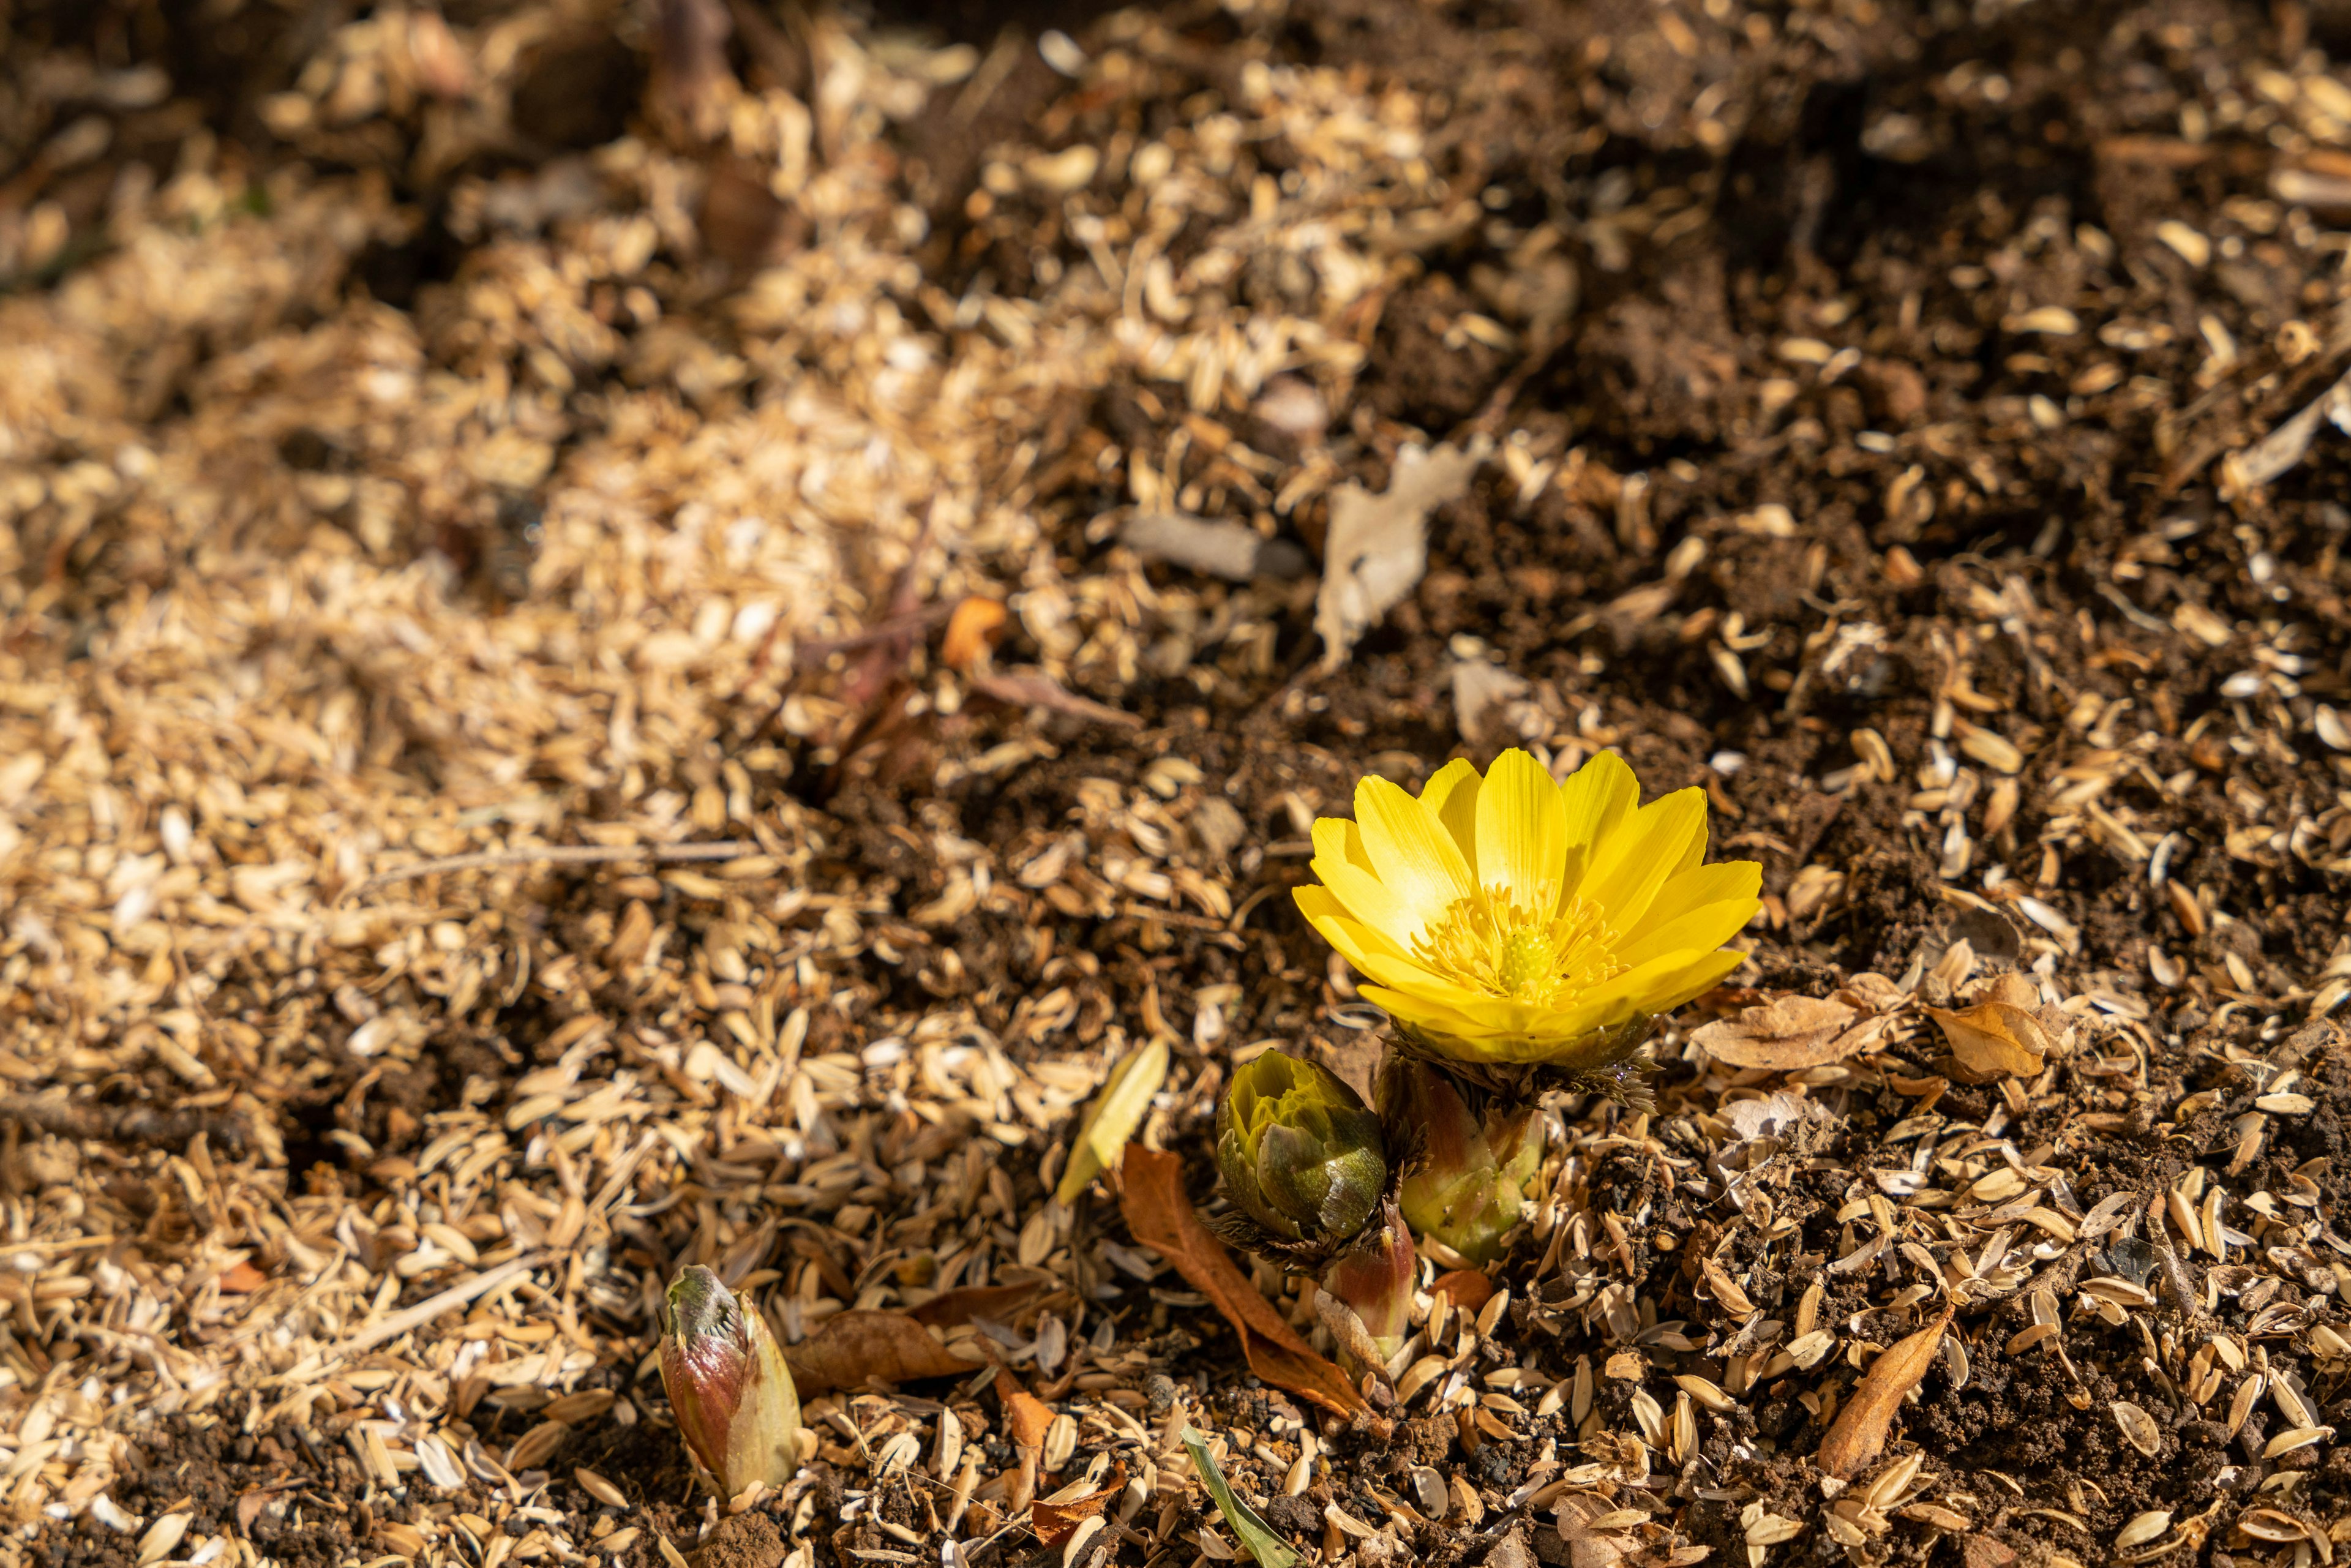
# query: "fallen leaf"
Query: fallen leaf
{"points": [[1469, 1289], [1162, 1220], [1026, 1416], [1859, 1430], [997, 1302], [1993, 1039], [1112, 1119], [1872, 992], [972, 631], [1056, 1521], [1257, 1538], [855, 1348], [1377, 548], [242, 1280], [1033, 688], [1786, 1035], [2056, 1024]]}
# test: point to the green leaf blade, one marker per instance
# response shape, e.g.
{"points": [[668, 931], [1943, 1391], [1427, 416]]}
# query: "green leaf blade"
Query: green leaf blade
{"points": [[1256, 1537]]}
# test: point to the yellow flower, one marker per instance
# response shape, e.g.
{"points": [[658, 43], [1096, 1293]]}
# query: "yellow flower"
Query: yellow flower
{"points": [[1509, 919]]}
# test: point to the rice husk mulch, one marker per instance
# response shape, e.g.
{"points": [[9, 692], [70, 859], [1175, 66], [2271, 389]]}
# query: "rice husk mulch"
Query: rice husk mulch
{"points": [[634, 637]]}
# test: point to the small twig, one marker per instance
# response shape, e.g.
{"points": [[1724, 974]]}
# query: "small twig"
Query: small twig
{"points": [[458, 1295], [563, 854]]}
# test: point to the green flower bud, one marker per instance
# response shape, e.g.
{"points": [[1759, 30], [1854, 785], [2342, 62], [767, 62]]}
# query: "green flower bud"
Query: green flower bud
{"points": [[1464, 1174], [728, 1384], [1299, 1151]]}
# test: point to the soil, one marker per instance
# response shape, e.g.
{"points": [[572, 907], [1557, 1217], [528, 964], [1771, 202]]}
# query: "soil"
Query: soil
{"points": [[1965, 481]]}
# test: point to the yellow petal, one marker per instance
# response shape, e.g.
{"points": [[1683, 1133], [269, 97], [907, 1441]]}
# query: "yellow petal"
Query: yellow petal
{"points": [[1662, 984], [1426, 1017], [1594, 802], [1707, 926], [1337, 838], [1371, 951], [1453, 795], [1597, 797], [1368, 899], [1417, 858], [1521, 831], [1694, 853], [1635, 863], [1697, 977], [1689, 890]]}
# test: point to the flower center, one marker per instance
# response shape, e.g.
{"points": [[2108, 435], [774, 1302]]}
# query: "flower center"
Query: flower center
{"points": [[1487, 943]]}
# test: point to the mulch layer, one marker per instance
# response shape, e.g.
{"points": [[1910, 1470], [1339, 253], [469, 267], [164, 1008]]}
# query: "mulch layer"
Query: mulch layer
{"points": [[594, 678]]}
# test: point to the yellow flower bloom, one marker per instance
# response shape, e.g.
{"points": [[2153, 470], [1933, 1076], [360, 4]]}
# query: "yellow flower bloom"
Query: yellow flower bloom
{"points": [[1509, 919]]}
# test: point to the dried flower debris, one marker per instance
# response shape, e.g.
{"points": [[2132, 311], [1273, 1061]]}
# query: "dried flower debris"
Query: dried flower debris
{"points": [[644, 645]]}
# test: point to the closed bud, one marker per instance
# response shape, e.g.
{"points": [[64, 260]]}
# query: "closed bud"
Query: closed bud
{"points": [[1464, 1174], [728, 1384], [1299, 1151]]}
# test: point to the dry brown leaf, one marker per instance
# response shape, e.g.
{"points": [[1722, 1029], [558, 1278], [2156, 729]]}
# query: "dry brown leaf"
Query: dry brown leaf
{"points": [[1872, 992], [972, 631], [999, 1303], [1161, 1217], [1378, 545], [1860, 1428], [1055, 1523], [2056, 1024], [855, 1348], [1785, 1035], [1026, 1416], [1993, 1039]]}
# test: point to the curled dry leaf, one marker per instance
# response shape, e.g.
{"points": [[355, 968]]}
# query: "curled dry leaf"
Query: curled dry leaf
{"points": [[1993, 1039], [1056, 1519], [1859, 1431], [1786, 1035], [1378, 545], [1162, 1220], [1113, 1117], [1027, 1418], [999, 1303], [855, 1348]]}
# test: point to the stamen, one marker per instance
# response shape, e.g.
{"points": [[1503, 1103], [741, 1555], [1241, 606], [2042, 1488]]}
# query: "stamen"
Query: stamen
{"points": [[1487, 943]]}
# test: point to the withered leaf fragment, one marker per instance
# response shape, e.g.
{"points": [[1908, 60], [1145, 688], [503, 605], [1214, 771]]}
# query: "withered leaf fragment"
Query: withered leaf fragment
{"points": [[1858, 1434], [855, 1348]]}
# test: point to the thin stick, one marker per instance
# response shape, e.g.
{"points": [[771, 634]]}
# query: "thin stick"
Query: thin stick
{"points": [[425, 1311], [564, 854]]}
